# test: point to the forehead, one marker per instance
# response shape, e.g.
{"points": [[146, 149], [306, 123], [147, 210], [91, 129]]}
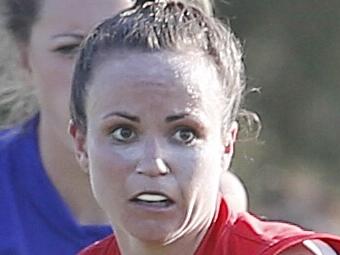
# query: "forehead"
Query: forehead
{"points": [[189, 76], [78, 14], [188, 68]]}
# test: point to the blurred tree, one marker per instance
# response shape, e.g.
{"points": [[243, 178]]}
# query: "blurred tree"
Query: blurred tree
{"points": [[293, 56]]}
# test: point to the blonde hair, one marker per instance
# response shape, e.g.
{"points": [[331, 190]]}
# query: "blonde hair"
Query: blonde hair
{"points": [[17, 102]]}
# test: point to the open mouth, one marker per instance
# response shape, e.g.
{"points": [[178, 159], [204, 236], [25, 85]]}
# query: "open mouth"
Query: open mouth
{"points": [[152, 199]]}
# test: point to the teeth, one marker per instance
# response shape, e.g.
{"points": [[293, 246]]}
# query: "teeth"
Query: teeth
{"points": [[152, 198]]}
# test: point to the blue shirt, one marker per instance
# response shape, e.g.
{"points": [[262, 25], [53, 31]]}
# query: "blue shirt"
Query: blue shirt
{"points": [[33, 217]]}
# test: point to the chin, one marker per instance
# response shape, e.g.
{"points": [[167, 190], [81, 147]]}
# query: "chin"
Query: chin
{"points": [[153, 233]]}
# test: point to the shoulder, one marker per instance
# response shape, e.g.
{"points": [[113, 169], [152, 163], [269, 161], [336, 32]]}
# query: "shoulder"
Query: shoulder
{"points": [[105, 246], [262, 230], [298, 249], [6, 137], [310, 247], [15, 139], [270, 237], [8, 141], [12, 135], [248, 232], [19, 153]]}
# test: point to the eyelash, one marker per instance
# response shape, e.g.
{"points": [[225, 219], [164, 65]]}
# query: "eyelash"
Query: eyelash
{"points": [[112, 133], [195, 134], [67, 50]]}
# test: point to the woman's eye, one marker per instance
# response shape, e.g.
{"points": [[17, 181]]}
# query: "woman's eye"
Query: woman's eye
{"points": [[185, 135], [68, 50], [123, 134]]}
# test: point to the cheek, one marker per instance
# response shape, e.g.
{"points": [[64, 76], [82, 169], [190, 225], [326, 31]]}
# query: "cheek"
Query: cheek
{"points": [[209, 171], [105, 166], [51, 72], [199, 170], [109, 172], [51, 77], [56, 74]]}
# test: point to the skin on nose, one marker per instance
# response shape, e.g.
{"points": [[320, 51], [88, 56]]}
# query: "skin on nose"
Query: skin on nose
{"points": [[152, 167], [152, 164]]}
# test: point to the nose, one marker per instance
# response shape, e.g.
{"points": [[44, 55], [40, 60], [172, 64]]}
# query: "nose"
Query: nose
{"points": [[152, 167], [152, 163]]}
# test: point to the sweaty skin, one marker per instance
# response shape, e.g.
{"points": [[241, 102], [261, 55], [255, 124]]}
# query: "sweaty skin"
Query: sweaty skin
{"points": [[130, 141]]}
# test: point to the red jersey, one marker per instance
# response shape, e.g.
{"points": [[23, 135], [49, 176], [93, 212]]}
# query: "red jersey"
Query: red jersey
{"points": [[241, 235]]}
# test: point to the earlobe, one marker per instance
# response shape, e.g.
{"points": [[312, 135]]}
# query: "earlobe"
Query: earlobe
{"points": [[83, 161], [80, 148], [231, 138]]}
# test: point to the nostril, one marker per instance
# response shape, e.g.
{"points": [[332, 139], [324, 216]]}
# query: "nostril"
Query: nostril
{"points": [[163, 167], [152, 167], [139, 170]]}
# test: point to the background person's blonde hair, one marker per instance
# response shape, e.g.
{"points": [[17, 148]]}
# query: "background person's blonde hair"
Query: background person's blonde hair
{"points": [[17, 100]]}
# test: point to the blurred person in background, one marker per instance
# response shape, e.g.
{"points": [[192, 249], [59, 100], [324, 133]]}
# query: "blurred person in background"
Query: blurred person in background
{"points": [[46, 205]]}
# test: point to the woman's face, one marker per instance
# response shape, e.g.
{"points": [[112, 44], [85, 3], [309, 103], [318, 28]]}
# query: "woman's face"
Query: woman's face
{"points": [[49, 55], [153, 144]]}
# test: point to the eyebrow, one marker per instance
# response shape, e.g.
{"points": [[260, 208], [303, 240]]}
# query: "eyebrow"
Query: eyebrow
{"points": [[172, 118], [122, 115]]}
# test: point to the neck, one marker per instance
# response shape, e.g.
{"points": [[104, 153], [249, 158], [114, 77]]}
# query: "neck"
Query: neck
{"points": [[66, 175], [187, 244]]}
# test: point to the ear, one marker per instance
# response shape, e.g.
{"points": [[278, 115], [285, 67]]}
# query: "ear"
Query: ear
{"points": [[231, 138], [229, 143], [24, 59], [25, 64], [80, 147]]}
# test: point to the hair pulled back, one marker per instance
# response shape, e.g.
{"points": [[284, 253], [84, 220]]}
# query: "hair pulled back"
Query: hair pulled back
{"points": [[154, 26]]}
